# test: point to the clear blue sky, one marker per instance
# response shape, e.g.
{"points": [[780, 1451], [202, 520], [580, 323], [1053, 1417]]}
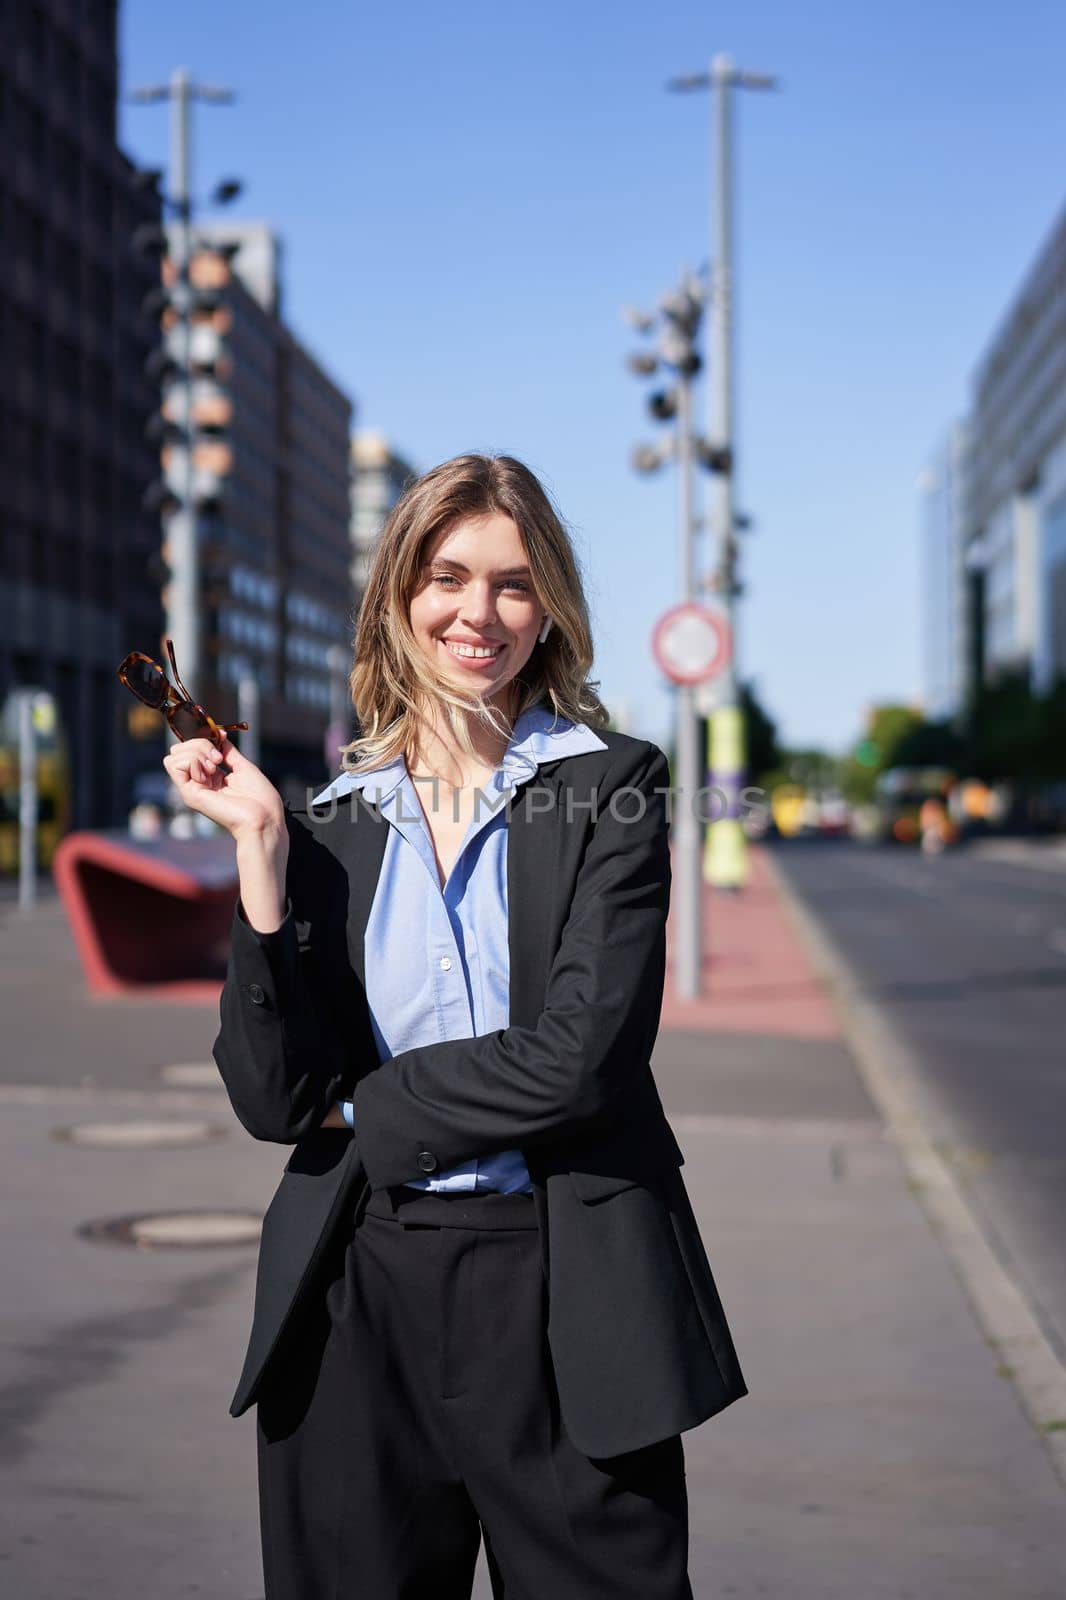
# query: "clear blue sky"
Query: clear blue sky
{"points": [[468, 194]]}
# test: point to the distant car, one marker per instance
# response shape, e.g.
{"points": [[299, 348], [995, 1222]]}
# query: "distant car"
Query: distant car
{"points": [[900, 793], [834, 817]]}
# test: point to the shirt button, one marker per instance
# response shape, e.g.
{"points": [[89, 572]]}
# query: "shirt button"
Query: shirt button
{"points": [[255, 994], [445, 963], [427, 1161]]}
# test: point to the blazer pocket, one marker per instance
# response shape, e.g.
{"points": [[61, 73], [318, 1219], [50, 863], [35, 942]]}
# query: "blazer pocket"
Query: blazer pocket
{"points": [[592, 1186]]}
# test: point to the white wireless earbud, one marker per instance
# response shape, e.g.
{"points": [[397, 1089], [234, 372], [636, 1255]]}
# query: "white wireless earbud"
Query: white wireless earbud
{"points": [[544, 632]]}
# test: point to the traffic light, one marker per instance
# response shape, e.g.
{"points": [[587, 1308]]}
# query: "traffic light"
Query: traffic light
{"points": [[682, 310], [715, 458], [663, 404]]}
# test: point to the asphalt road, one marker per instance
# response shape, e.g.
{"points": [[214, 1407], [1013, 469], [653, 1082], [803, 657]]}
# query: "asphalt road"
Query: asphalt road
{"points": [[966, 955]]}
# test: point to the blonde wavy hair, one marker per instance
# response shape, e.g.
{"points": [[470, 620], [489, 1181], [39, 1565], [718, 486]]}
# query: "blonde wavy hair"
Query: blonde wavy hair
{"points": [[393, 681]]}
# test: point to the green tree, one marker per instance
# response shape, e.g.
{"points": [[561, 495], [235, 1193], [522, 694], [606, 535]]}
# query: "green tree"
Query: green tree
{"points": [[1016, 734], [931, 744], [763, 750], [886, 728]]}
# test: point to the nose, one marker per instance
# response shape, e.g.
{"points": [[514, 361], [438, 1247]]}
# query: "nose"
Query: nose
{"points": [[478, 609]]}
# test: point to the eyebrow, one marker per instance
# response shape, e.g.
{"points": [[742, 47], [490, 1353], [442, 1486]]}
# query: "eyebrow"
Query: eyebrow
{"points": [[502, 572]]}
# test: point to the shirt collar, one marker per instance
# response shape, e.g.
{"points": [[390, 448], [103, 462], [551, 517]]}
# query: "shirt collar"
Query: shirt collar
{"points": [[539, 735]]}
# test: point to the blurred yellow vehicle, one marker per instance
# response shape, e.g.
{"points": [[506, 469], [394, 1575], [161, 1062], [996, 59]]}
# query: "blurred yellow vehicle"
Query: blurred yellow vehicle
{"points": [[788, 807]]}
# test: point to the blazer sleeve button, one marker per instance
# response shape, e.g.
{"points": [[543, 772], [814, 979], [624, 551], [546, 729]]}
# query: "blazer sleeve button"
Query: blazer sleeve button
{"points": [[427, 1161], [256, 994]]}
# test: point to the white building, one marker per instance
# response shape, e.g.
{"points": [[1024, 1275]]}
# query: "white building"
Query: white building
{"points": [[378, 478], [1016, 491], [942, 487]]}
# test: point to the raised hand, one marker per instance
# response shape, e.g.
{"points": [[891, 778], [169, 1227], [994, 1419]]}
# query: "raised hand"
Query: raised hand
{"points": [[241, 800]]}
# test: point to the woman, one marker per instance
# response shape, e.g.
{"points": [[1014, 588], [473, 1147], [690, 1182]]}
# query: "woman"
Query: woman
{"points": [[482, 1308]]}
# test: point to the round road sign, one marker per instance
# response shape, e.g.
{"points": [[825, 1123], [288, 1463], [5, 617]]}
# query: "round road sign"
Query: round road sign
{"points": [[691, 643]]}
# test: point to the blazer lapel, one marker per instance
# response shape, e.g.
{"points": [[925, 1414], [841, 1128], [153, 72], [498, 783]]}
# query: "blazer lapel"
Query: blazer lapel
{"points": [[534, 834], [361, 833]]}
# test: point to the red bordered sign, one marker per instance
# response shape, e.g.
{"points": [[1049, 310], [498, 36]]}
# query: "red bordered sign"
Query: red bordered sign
{"points": [[691, 643]]}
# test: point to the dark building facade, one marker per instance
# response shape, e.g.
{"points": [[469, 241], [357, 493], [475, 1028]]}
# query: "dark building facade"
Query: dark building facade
{"points": [[78, 581], [275, 578]]}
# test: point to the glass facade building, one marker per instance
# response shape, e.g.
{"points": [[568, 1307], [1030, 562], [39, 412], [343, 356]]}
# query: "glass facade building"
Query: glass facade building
{"points": [[1016, 493], [79, 555]]}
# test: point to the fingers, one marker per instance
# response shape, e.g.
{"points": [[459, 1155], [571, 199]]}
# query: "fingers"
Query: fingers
{"points": [[194, 761]]}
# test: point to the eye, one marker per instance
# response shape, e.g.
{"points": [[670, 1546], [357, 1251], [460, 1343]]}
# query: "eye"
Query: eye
{"points": [[448, 578]]}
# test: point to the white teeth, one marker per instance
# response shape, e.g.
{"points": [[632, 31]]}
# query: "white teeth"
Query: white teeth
{"points": [[479, 652]]}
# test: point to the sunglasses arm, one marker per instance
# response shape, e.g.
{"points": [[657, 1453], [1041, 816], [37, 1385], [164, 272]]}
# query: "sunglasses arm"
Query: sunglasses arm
{"points": [[174, 669]]}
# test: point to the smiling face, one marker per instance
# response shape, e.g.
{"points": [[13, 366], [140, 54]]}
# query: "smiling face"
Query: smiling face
{"points": [[475, 612]]}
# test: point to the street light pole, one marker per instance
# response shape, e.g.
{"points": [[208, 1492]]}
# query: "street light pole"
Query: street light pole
{"points": [[725, 857], [183, 532], [184, 604], [681, 313], [725, 862], [687, 886]]}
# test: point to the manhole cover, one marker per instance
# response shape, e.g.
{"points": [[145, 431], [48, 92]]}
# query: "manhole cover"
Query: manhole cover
{"points": [[186, 1230], [143, 1135], [192, 1075]]}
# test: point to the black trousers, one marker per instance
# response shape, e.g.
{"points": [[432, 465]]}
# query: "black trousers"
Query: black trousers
{"points": [[412, 1410]]}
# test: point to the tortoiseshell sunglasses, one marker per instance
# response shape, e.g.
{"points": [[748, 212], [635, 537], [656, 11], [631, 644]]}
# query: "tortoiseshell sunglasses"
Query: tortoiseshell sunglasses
{"points": [[146, 679]]}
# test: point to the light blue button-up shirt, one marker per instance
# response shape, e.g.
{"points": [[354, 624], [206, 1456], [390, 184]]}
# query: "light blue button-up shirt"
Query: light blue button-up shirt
{"points": [[437, 960]]}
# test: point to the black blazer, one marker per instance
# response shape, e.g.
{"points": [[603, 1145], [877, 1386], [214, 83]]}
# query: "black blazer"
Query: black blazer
{"points": [[639, 1342]]}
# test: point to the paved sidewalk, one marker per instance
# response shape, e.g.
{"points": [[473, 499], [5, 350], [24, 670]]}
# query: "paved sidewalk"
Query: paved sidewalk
{"points": [[879, 1453]]}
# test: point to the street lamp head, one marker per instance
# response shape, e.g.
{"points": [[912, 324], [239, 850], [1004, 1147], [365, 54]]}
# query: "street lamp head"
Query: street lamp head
{"points": [[149, 239], [716, 458], [155, 303], [225, 249], [676, 347], [206, 301], [663, 404], [160, 430], [645, 458], [160, 500], [159, 366], [641, 320]]}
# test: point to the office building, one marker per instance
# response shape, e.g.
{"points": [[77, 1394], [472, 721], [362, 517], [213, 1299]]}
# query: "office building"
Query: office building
{"points": [[942, 490], [1016, 491], [272, 477], [378, 478], [79, 580]]}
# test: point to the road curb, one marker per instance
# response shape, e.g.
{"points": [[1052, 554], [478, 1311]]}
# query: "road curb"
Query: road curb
{"points": [[892, 1081]]}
